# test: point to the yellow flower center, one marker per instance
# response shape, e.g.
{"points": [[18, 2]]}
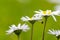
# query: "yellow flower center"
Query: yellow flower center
{"points": [[47, 12], [44, 12]]}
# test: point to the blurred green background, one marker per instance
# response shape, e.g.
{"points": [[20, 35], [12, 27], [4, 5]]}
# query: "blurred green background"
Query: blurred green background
{"points": [[12, 10]]}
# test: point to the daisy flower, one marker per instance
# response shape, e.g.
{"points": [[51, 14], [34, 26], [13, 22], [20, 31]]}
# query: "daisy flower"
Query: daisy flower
{"points": [[55, 32], [26, 18], [31, 20], [47, 13], [17, 29]]}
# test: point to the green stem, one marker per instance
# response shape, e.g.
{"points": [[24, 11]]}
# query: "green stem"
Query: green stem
{"points": [[18, 37], [44, 28], [57, 38], [32, 32]]}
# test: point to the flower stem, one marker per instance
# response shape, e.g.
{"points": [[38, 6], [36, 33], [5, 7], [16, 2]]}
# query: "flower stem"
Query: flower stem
{"points": [[57, 38], [44, 28], [32, 32], [18, 37]]}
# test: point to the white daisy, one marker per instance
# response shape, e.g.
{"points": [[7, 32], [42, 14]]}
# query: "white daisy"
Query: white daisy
{"points": [[41, 13], [19, 28], [26, 18], [54, 32], [32, 20]]}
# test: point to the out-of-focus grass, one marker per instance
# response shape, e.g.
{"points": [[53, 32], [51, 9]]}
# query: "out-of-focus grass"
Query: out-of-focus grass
{"points": [[12, 10]]}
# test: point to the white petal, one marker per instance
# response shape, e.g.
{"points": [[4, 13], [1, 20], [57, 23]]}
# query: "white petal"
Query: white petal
{"points": [[25, 27], [56, 13], [24, 19], [27, 17], [53, 17], [13, 27], [37, 17], [36, 11], [51, 32], [10, 31], [19, 26], [54, 32]]}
